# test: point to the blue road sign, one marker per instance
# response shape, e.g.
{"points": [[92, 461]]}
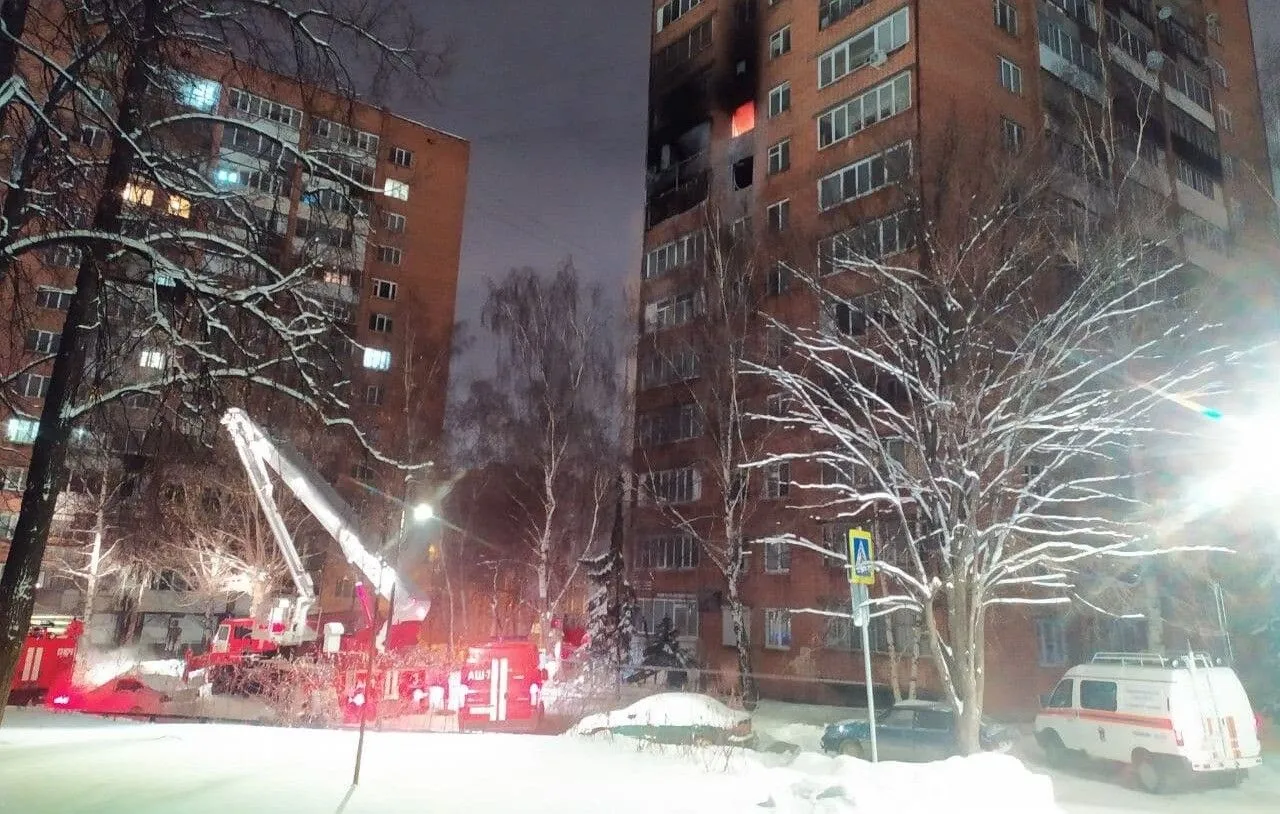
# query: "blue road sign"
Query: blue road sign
{"points": [[861, 555]]}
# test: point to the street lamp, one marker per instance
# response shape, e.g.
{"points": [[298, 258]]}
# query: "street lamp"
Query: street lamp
{"points": [[423, 512], [420, 513]]}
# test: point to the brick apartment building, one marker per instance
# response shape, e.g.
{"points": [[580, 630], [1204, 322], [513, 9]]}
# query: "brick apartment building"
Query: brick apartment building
{"points": [[758, 108], [391, 277]]}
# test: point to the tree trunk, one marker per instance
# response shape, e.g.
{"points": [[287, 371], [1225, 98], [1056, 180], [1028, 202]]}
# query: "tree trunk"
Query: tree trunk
{"points": [[895, 657], [742, 638], [1154, 609], [46, 473], [913, 674], [95, 554]]}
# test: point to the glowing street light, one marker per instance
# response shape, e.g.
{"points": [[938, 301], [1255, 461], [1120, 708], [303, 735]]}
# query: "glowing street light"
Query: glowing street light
{"points": [[423, 512]]}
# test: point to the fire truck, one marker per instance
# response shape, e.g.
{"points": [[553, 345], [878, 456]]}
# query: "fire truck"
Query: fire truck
{"points": [[48, 657], [403, 671]]}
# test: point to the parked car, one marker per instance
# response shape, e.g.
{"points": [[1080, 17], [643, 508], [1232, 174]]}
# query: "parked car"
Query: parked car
{"points": [[674, 718], [1166, 717], [911, 731], [123, 695]]}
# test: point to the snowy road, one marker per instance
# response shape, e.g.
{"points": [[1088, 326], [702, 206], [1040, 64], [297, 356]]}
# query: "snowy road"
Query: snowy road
{"points": [[69, 764], [1101, 790]]}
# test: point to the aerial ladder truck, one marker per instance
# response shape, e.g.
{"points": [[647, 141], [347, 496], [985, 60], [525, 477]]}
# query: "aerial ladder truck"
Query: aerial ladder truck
{"points": [[288, 632]]}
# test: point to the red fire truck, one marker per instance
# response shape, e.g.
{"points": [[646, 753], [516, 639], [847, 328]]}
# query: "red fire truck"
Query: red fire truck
{"points": [[502, 683], [48, 657], [289, 630]]}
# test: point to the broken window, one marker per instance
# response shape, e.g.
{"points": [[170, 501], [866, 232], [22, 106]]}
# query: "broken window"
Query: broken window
{"points": [[744, 172]]}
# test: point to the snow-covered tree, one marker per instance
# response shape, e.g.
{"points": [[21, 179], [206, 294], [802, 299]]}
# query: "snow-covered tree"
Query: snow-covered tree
{"points": [[182, 294], [550, 414], [610, 598], [973, 387]]}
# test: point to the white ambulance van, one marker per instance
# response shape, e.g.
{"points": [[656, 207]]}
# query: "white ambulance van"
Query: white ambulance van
{"points": [[1165, 716]]}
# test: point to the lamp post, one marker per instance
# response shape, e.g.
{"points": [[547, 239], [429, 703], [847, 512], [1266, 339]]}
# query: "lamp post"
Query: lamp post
{"points": [[420, 513]]}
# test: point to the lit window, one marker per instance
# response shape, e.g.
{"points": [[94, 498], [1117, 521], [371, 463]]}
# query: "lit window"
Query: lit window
{"points": [[22, 430], [201, 94], [396, 189], [744, 119], [153, 359], [377, 359], [179, 206], [138, 194], [777, 628]]}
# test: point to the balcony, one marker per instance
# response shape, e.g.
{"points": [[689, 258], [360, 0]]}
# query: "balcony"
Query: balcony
{"points": [[678, 188]]}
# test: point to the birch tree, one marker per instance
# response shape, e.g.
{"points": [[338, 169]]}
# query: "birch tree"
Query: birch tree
{"points": [[180, 287], [550, 413], [977, 377], [699, 345]]}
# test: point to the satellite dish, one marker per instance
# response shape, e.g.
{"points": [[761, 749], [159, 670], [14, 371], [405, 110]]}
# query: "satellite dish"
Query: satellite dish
{"points": [[1155, 61], [1165, 12], [877, 59]]}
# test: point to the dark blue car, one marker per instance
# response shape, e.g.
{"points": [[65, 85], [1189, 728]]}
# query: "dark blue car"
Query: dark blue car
{"points": [[911, 730]]}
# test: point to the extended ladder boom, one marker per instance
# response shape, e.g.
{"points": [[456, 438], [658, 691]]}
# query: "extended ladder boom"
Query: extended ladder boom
{"points": [[259, 452]]}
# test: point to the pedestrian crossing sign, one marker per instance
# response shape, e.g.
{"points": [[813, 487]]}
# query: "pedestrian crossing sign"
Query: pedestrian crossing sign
{"points": [[861, 555]]}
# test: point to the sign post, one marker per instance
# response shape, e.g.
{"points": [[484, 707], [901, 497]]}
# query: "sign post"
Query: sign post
{"points": [[861, 555]]}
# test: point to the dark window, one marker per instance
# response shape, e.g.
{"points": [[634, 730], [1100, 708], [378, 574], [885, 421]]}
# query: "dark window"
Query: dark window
{"points": [[1099, 695], [744, 172], [936, 719], [1062, 694]]}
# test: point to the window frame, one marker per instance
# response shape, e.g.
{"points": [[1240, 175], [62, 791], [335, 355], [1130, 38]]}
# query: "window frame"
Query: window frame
{"points": [[377, 359], [1012, 71], [777, 629], [780, 42], [781, 93], [778, 157]]}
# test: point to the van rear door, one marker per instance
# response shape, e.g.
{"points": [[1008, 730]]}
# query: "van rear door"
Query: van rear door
{"points": [[1213, 716]]}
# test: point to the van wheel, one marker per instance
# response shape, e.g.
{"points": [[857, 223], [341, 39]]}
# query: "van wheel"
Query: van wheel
{"points": [[1237, 777], [1151, 775], [1055, 751], [851, 748]]}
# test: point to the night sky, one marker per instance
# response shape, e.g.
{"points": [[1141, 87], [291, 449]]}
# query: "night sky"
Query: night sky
{"points": [[551, 95]]}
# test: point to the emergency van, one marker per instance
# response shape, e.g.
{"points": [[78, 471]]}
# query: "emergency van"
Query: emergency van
{"points": [[1166, 717]]}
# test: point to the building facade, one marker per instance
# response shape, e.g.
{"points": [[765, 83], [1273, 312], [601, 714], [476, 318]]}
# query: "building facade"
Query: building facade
{"points": [[788, 120], [387, 253]]}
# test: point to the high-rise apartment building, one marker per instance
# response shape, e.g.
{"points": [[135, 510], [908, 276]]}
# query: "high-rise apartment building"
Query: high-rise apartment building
{"points": [[386, 266], [777, 115]]}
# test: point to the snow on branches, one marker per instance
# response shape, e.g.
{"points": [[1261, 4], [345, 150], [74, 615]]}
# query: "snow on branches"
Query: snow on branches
{"points": [[978, 408]]}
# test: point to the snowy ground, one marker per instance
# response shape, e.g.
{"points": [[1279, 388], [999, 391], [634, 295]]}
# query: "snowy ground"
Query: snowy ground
{"points": [[1100, 789], [67, 763], [70, 764]]}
